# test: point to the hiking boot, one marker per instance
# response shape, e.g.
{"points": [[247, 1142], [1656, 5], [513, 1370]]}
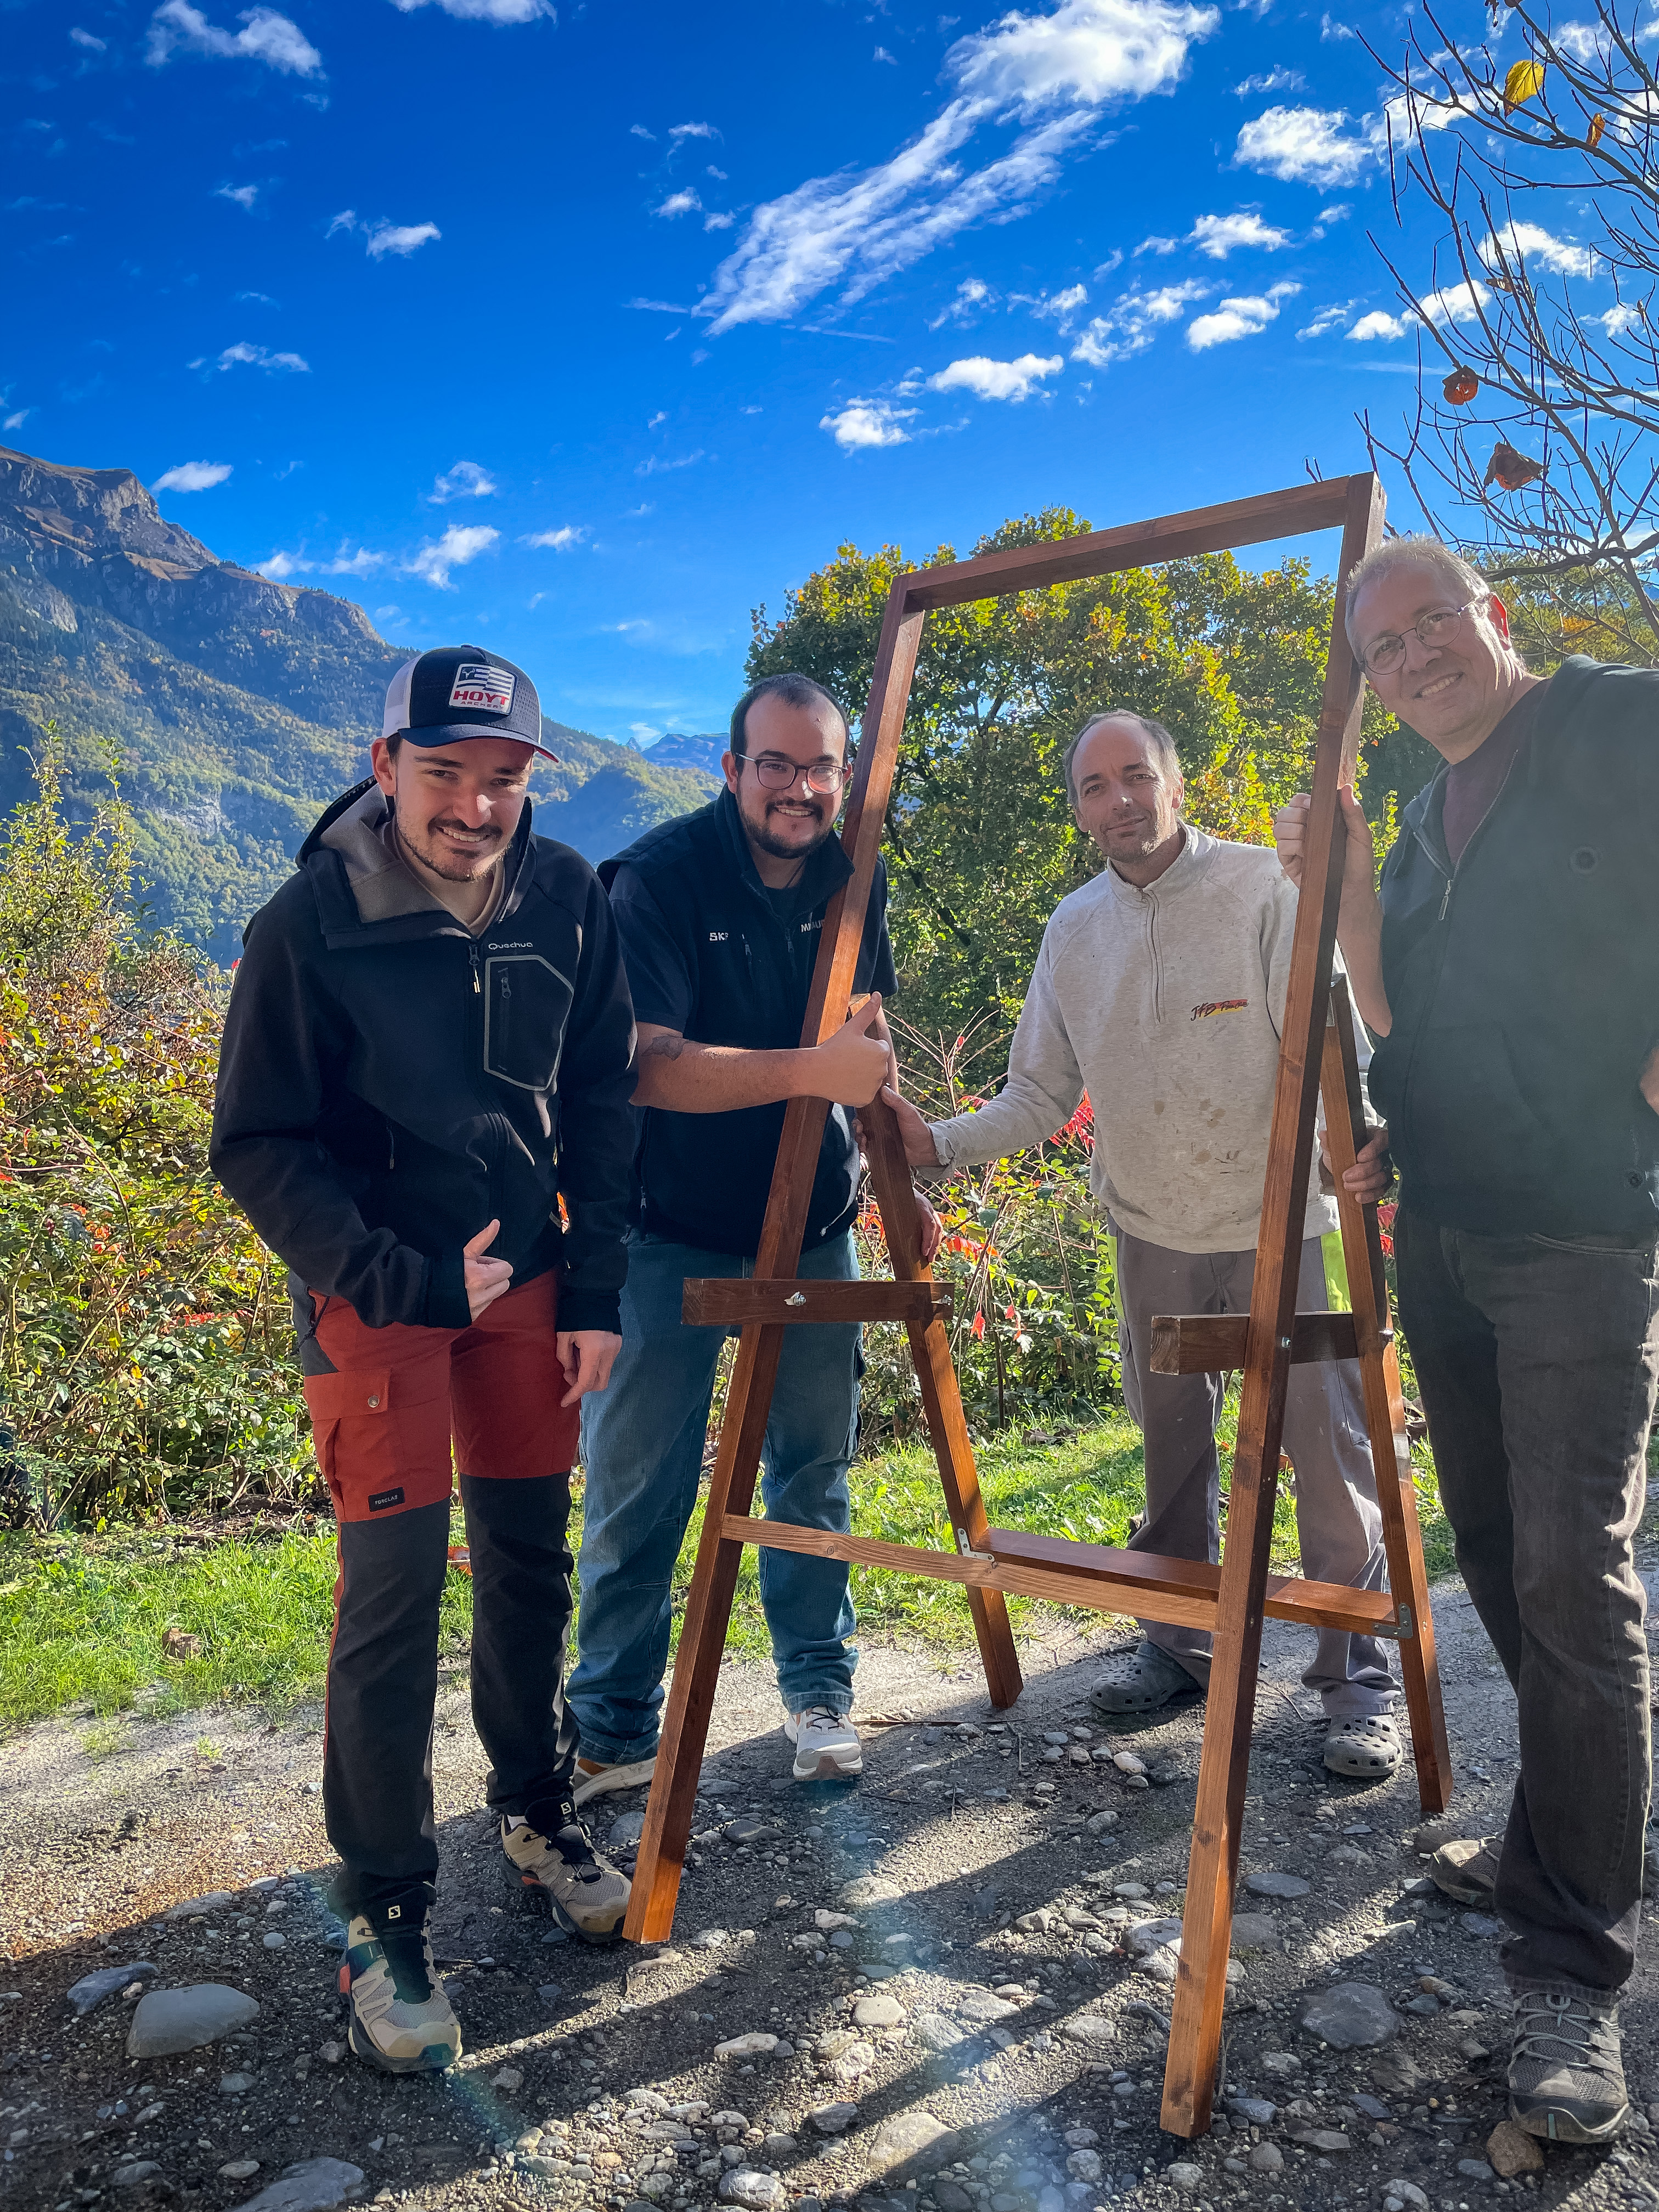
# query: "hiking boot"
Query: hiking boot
{"points": [[402, 2019], [1466, 1868], [1364, 1745], [1566, 2077], [594, 1776], [827, 1747], [552, 1863], [1143, 1680]]}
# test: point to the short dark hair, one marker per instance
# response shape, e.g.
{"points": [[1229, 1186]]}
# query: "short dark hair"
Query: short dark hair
{"points": [[392, 744], [795, 690], [1161, 744]]}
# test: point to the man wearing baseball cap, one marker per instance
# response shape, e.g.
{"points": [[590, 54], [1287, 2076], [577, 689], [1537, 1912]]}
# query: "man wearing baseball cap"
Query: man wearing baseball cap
{"points": [[423, 1108]]}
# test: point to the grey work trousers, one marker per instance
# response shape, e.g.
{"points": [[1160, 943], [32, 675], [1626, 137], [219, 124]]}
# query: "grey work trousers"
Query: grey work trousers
{"points": [[1336, 1511], [1538, 1359]]}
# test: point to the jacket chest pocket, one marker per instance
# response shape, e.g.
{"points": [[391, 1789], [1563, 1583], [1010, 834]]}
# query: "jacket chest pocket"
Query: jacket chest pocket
{"points": [[527, 1001]]}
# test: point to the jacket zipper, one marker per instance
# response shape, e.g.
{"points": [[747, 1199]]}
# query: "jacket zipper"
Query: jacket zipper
{"points": [[1152, 951], [472, 955]]}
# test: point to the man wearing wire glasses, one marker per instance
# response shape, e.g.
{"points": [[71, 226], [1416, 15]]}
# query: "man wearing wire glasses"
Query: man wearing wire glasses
{"points": [[1509, 972], [719, 916]]}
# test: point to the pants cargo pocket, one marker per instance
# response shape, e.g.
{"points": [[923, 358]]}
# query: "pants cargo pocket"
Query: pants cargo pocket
{"points": [[378, 1452]]}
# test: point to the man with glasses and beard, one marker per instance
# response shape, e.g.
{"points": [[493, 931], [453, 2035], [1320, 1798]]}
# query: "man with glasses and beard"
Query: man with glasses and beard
{"points": [[719, 916]]}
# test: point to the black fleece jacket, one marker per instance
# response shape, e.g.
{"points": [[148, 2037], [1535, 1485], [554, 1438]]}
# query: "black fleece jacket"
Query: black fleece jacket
{"points": [[1524, 984], [387, 1086]]}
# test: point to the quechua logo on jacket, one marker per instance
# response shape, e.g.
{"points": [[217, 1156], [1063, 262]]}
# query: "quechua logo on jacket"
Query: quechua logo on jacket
{"points": [[1218, 1006], [483, 689]]}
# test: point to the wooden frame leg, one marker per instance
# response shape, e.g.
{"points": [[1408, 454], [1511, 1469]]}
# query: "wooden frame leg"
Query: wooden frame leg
{"points": [[1385, 1414], [941, 1398]]}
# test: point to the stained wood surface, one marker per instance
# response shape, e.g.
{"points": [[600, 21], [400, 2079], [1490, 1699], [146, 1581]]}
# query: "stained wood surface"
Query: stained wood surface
{"points": [[1212, 1344], [1180, 1593], [714, 1301], [1385, 1412], [1213, 1869]]}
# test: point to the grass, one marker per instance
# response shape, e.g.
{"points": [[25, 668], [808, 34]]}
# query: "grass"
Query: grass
{"points": [[83, 1617]]}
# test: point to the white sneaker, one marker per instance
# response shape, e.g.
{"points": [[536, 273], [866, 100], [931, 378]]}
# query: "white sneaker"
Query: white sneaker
{"points": [[827, 1746]]}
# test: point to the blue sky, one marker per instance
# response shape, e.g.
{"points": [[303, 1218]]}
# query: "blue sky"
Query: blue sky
{"points": [[582, 333]]}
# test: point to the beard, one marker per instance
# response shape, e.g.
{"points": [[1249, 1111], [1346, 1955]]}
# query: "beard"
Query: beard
{"points": [[782, 847], [452, 867]]}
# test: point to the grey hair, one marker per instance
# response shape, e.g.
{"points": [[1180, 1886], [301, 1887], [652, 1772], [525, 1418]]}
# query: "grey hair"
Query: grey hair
{"points": [[1159, 743], [1416, 551]]}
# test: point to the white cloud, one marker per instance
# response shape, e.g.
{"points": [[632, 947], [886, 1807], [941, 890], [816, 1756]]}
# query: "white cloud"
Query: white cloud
{"points": [[1238, 318], [192, 476], [1218, 235], [1303, 145], [459, 544], [639, 130], [1049, 74], [1529, 245], [1456, 303], [661, 465], [466, 480], [881, 54], [997, 379], [380, 237], [1279, 79], [1134, 324], [1332, 26], [85, 39], [678, 131], [265, 36], [973, 294], [680, 203], [244, 195], [864, 422], [1327, 318], [16, 421], [719, 175], [487, 11], [363, 563], [283, 565], [1059, 308], [556, 541], [659, 307], [718, 222], [280, 566], [256, 357], [1616, 321]]}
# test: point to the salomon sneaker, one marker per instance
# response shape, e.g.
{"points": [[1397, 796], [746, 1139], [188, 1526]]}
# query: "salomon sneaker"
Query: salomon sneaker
{"points": [[827, 1747], [552, 1863], [1566, 2076], [402, 2021]]}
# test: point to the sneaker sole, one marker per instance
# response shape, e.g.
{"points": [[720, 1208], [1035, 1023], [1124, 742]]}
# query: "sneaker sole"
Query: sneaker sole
{"points": [[1553, 2124], [631, 1776], [533, 1897], [828, 1768], [364, 2047]]}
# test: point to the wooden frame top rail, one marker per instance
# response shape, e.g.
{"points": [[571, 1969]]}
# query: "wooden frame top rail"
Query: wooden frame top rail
{"points": [[734, 1301]]}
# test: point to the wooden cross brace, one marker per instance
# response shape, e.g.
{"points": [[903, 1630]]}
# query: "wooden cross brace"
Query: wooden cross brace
{"points": [[1231, 1601]]}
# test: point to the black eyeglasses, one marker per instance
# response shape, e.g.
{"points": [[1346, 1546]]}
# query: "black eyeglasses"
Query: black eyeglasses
{"points": [[773, 773], [1438, 626]]}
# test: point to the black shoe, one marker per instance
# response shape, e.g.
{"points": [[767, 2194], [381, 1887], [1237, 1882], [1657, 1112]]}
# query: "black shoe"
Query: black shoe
{"points": [[1566, 2074]]}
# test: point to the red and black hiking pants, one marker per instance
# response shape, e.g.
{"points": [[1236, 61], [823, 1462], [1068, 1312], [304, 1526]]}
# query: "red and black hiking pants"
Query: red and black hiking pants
{"points": [[393, 1412]]}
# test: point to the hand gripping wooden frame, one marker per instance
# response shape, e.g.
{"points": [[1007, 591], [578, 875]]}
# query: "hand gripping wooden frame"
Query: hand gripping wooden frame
{"points": [[1229, 1599]]}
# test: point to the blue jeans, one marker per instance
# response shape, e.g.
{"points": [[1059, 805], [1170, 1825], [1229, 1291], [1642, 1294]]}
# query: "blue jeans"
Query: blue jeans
{"points": [[642, 1447]]}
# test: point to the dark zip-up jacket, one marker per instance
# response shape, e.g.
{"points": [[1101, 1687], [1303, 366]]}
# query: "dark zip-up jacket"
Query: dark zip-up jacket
{"points": [[1523, 985], [389, 1086], [715, 955]]}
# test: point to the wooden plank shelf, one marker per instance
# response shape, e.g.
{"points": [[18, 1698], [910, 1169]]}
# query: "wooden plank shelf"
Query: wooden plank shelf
{"points": [[736, 1301], [1211, 1344]]}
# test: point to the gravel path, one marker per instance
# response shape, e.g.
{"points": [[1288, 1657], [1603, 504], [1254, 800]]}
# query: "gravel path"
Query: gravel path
{"points": [[958, 1973]]}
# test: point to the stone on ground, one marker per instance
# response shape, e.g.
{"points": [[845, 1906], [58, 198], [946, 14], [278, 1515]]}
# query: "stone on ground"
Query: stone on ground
{"points": [[938, 2032], [1400, 2191], [755, 2045], [1350, 2016], [1269, 1882], [981, 2005], [167, 2020], [91, 1990], [1267, 2158], [1087, 2027], [317, 2185], [1513, 2151], [878, 2010], [1254, 1931], [907, 2135], [870, 1889], [136, 2173], [757, 2191], [833, 2119], [200, 1908], [1184, 2177]]}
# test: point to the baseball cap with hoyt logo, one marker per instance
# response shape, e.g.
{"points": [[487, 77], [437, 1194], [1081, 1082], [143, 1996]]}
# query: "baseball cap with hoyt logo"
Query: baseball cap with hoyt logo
{"points": [[457, 691]]}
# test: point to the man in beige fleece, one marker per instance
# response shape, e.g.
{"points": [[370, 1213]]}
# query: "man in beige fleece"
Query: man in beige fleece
{"points": [[1159, 989]]}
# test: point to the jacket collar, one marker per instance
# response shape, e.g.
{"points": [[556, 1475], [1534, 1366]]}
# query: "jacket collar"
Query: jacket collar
{"points": [[827, 867], [1189, 864], [339, 856]]}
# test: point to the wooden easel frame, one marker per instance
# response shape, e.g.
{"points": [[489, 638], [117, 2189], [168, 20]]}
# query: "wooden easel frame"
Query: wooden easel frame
{"points": [[1231, 1599]]}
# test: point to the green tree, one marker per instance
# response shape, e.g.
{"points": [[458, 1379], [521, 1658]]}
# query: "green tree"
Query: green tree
{"points": [[981, 842]]}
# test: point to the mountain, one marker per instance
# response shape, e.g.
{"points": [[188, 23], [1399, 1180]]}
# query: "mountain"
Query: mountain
{"points": [[235, 707], [674, 749]]}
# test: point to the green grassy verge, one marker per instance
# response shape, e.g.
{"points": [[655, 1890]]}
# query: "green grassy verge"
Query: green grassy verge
{"points": [[82, 1617]]}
